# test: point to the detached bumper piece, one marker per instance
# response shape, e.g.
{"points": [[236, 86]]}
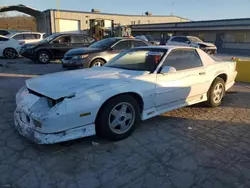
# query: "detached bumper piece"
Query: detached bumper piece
{"points": [[25, 127]]}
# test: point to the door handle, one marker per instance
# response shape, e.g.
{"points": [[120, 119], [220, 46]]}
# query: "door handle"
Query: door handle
{"points": [[202, 73]]}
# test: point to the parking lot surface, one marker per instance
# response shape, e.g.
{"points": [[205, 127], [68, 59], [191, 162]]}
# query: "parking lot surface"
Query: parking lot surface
{"points": [[190, 147]]}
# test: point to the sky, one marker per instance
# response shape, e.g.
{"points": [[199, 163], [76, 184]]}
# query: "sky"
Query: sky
{"points": [[192, 9]]}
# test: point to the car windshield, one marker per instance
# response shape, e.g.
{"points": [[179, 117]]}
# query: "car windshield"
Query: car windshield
{"points": [[138, 59], [49, 38], [105, 43], [195, 39]]}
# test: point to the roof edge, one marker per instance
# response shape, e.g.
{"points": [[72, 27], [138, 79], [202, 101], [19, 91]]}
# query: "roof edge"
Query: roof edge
{"points": [[114, 14]]}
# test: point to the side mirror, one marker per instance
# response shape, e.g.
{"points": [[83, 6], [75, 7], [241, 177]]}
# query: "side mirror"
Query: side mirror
{"points": [[188, 42], [111, 49], [168, 69]]}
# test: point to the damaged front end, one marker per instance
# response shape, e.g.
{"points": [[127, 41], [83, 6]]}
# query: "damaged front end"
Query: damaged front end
{"points": [[45, 120]]}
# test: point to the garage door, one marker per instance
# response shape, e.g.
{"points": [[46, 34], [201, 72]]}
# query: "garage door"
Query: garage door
{"points": [[69, 25]]}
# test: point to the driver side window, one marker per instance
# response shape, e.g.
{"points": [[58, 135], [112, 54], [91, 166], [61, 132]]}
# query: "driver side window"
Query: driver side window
{"points": [[183, 59], [62, 40], [123, 45], [180, 39]]}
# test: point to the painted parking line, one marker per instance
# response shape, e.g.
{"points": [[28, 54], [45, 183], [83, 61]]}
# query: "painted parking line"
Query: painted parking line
{"points": [[18, 75]]}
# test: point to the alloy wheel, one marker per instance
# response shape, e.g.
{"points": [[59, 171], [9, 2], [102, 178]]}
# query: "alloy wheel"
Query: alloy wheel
{"points": [[97, 64], [10, 53], [218, 93], [121, 118], [43, 57]]}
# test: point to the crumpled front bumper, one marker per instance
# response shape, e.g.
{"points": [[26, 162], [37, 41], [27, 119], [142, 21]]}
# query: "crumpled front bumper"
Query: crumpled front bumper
{"points": [[28, 130]]}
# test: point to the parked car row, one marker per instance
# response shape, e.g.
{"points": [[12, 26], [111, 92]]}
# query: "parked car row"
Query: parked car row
{"points": [[137, 84], [183, 41], [11, 42], [100, 52], [41, 50]]}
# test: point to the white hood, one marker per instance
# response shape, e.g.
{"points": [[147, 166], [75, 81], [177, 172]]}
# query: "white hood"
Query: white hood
{"points": [[67, 83]]}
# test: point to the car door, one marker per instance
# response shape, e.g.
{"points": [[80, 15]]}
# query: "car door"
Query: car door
{"points": [[187, 84], [60, 46], [119, 47]]}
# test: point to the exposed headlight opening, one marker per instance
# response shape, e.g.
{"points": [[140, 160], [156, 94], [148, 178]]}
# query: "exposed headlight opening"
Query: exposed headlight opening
{"points": [[52, 102]]}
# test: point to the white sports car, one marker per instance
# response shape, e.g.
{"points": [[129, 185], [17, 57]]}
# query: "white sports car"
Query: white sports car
{"points": [[138, 84]]}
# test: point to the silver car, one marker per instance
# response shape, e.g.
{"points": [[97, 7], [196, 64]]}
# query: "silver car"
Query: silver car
{"points": [[100, 52]]}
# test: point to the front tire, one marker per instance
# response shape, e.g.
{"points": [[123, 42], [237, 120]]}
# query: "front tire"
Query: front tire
{"points": [[10, 53], [216, 93], [118, 118], [97, 63], [43, 57]]}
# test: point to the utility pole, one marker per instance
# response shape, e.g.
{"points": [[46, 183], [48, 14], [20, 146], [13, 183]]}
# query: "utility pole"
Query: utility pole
{"points": [[58, 15], [172, 13]]}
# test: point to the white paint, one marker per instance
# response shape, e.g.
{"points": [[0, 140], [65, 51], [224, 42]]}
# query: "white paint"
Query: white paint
{"points": [[69, 25], [8, 43], [93, 87]]}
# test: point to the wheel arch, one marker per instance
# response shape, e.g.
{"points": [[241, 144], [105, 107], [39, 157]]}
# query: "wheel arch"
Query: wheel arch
{"points": [[135, 95], [223, 76], [9, 48]]}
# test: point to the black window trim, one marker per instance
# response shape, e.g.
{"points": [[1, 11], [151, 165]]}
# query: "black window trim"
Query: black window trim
{"points": [[184, 49]]}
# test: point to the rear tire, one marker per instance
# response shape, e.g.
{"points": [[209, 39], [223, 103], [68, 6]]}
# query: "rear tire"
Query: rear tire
{"points": [[10, 53], [216, 93], [118, 118], [97, 63], [43, 57]]}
